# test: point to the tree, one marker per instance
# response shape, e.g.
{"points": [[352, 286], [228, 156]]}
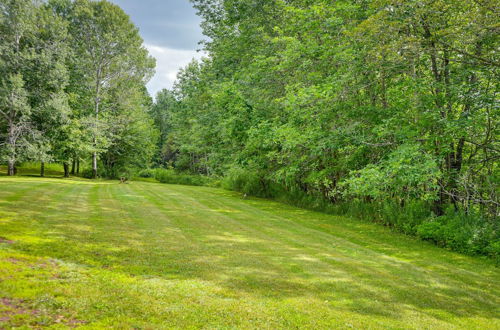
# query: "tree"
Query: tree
{"points": [[338, 99], [110, 51], [133, 137], [33, 74], [161, 112]]}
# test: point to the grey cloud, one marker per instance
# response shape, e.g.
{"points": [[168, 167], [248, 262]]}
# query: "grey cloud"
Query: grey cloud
{"points": [[171, 31], [167, 23]]}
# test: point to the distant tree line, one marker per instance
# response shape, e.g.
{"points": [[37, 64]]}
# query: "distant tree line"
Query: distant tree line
{"points": [[349, 101], [72, 87]]}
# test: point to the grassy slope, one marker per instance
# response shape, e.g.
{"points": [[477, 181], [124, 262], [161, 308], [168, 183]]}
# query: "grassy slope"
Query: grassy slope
{"points": [[145, 255]]}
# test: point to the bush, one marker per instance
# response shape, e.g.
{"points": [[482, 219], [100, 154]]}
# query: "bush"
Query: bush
{"points": [[147, 173], [87, 173], [250, 183], [431, 231], [493, 250], [173, 177], [469, 234]]}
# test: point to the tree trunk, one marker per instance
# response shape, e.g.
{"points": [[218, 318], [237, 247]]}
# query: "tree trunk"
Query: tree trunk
{"points": [[73, 165], [97, 102], [78, 166], [438, 207], [11, 162], [10, 168], [42, 169], [66, 169], [94, 165]]}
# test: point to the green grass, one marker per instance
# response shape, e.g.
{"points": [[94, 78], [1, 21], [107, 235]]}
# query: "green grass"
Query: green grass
{"points": [[33, 170], [78, 253]]}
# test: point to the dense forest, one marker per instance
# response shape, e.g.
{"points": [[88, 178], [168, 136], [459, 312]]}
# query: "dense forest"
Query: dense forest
{"points": [[72, 88], [385, 110]]}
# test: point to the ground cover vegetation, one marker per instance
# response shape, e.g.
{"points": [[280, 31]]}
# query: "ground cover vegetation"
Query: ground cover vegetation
{"points": [[99, 254]]}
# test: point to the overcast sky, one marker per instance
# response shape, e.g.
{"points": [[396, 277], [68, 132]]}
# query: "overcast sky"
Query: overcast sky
{"points": [[171, 32]]}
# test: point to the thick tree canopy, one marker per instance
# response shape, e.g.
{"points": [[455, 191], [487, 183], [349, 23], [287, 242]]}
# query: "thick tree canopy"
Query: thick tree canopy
{"points": [[33, 76], [371, 101], [73, 77]]}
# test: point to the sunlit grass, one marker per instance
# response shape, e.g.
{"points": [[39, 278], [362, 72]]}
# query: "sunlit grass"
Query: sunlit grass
{"points": [[144, 255]]}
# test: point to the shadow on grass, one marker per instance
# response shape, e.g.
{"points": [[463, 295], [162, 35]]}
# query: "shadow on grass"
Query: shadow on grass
{"points": [[257, 248]]}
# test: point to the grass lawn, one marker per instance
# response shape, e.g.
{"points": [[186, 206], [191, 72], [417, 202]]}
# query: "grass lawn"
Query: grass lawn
{"points": [[77, 253]]}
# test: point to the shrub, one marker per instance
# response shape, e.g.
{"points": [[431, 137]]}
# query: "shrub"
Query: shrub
{"points": [[147, 173], [250, 182], [87, 173], [173, 177], [431, 231], [469, 234], [493, 250]]}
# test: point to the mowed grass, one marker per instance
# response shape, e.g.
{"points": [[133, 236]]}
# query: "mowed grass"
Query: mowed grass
{"points": [[78, 253]]}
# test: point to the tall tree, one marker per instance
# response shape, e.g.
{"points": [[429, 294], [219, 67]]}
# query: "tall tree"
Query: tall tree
{"points": [[161, 111], [352, 99], [110, 51], [33, 74]]}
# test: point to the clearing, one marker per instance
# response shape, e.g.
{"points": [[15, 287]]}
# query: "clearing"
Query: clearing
{"points": [[78, 253]]}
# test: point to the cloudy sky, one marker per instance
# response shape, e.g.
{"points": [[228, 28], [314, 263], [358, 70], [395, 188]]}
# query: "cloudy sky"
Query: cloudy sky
{"points": [[171, 31]]}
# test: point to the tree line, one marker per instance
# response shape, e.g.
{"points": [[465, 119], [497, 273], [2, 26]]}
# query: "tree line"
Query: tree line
{"points": [[72, 86], [363, 101], [383, 109]]}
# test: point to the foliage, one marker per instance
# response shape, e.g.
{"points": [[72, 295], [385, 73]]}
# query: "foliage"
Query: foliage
{"points": [[387, 104], [247, 182], [407, 173], [33, 76], [147, 173], [464, 233], [73, 77], [112, 65], [172, 177]]}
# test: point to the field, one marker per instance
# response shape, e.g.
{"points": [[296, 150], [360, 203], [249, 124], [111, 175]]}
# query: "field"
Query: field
{"points": [[78, 253]]}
